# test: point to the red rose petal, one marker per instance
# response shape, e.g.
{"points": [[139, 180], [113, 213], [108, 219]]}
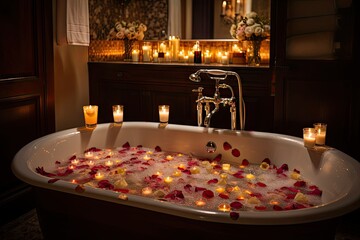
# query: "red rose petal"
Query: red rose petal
{"points": [[226, 146], [267, 160], [300, 184], [53, 180], [80, 189], [208, 194], [235, 152], [126, 145], [260, 184], [213, 181], [245, 162], [218, 158], [224, 196], [198, 189], [236, 205], [157, 149], [234, 215], [277, 208]]}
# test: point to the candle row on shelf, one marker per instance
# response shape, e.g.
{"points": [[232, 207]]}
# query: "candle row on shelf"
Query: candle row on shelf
{"points": [[91, 114], [315, 135]]}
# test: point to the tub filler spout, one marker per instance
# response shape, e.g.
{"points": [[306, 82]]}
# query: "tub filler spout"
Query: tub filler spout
{"points": [[216, 100]]}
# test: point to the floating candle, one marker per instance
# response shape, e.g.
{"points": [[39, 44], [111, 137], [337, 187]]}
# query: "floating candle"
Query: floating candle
{"points": [[146, 191], [89, 154], [177, 174], [169, 157], [195, 170], [220, 189], [200, 203], [250, 176], [75, 161], [109, 163], [146, 157], [99, 176], [168, 179], [91, 163], [224, 207]]}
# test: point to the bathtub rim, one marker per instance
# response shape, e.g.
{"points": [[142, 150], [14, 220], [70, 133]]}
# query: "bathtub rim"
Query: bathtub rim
{"points": [[348, 203]]}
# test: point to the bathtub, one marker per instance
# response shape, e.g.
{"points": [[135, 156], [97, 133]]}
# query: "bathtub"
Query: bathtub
{"points": [[98, 213]]}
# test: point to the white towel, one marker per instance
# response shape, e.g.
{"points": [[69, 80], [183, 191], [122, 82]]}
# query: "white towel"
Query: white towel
{"points": [[73, 22]]}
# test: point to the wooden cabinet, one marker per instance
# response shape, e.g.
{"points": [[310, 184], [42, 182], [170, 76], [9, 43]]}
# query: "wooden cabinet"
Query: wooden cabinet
{"points": [[142, 87]]}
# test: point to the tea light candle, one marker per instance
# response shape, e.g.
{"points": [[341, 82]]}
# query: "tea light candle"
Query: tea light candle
{"points": [[200, 203], [146, 157], [91, 163], [164, 113], [224, 207], [109, 163], [146, 53], [309, 135], [135, 55], [146, 191], [177, 173], [99, 176], [207, 57], [224, 59], [195, 170], [118, 113], [168, 179], [320, 129], [169, 157], [220, 189], [75, 161], [89, 154], [90, 114]]}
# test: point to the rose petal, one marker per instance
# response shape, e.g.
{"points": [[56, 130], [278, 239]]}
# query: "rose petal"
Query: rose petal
{"points": [[218, 158], [235, 152], [208, 194], [226, 146], [245, 162], [234, 215], [236, 205]]}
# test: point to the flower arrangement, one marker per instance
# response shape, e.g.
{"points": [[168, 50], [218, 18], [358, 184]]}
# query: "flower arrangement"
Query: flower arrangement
{"points": [[251, 28], [128, 30]]}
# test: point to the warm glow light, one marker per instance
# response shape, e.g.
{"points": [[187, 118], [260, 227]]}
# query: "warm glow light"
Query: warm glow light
{"points": [[195, 170], [177, 174], [91, 163], [220, 189], [200, 203], [146, 157], [169, 157], [99, 176], [89, 154], [226, 167], [168, 179], [75, 161], [224, 207], [250, 176], [146, 191], [109, 163]]}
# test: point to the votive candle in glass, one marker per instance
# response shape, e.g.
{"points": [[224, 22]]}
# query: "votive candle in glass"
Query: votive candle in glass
{"points": [[320, 129], [118, 113], [309, 135], [90, 115], [164, 113]]}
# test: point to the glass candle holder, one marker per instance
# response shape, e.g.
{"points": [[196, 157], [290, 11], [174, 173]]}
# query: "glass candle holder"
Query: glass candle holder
{"points": [[118, 113], [164, 113], [320, 129], [90, 115], [309, 135]]}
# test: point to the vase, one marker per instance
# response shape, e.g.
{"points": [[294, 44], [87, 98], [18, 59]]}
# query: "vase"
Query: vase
{"points": [[254, 58], [128, 47]]}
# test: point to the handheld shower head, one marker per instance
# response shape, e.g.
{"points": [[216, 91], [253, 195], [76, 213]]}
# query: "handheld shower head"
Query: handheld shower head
{"points": [[195, 77]]}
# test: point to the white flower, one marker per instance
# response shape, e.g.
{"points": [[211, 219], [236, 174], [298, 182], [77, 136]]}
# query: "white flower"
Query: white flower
{"points": [[251, 27], [128, 30]]}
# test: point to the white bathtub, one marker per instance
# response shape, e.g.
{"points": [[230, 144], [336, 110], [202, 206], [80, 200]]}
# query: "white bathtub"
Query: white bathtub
{"points": [[335, 173]]}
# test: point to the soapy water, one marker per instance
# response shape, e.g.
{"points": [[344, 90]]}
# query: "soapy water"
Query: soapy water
{"points": [[188, 180]]}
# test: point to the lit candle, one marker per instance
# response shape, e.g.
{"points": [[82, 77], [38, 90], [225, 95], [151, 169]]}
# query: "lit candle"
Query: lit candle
{"points": [[177, 173], [200, 203], [181, 56], [320, 129], [169, 157], [109, 163], [155, 56], [237, 8], [90, 114], [89, 154], [146, 191], [167, 57], [250, 176], [164, 113], [146, 157], [224, 59], [195, 170], [99, 176], [168, 179], [75, 161], [135, 55], [207, 57], [223, 8], [220, 189], [91, 163], [224, 207], [146, 53], [118, 113], [191, 57], [309, 135]]}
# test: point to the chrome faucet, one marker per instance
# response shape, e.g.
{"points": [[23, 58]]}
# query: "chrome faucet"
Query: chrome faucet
{"points": [[216, 100]]}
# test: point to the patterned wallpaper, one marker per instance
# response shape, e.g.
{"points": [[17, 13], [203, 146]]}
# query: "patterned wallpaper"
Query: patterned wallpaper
{"points": [[104, 14]]}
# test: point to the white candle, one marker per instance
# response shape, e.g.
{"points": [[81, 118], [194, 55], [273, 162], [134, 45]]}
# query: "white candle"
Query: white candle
{"points": [[320, 129], [224, 59], [164, 113], [223, 7], [237, 9], [118, 113], [168, 179], [309, 137], [155, 56], [207, 57], [135, 55], [146, 53], [99, 176]]}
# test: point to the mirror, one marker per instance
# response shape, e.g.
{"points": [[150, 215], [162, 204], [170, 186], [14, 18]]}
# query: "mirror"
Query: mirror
{"points": [[203, 19]]}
